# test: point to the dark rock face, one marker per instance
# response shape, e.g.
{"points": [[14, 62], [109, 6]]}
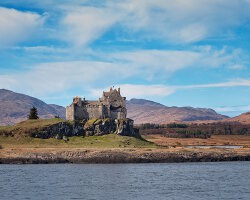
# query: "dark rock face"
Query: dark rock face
{"points": [[58, 131], [125, 127], [96, 127]]}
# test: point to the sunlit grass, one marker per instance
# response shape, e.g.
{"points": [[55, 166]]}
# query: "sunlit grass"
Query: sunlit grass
{"points": [[105, 141]]}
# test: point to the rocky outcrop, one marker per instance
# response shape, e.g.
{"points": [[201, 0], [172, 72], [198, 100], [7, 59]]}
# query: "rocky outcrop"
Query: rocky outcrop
{"points": [[125, 127], [93, 127], [36, 156]]}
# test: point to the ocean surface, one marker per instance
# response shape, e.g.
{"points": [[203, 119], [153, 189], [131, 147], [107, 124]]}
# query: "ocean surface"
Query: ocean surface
{"points": [[220, 180]]}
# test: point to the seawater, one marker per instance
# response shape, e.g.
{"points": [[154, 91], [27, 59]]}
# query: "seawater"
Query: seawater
{"points": [[220, 180]]}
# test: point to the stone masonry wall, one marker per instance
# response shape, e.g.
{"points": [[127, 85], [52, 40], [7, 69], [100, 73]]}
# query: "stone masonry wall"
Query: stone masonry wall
{"points": [[110, 105], [70, 115]]}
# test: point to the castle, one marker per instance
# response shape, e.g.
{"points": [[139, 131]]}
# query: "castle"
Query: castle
{"points": [[110, 105]]}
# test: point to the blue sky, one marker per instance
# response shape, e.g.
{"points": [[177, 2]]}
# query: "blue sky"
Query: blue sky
{"points": [[179, 53]]}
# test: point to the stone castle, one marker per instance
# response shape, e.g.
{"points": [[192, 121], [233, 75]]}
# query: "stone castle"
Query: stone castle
{"points": [[110, 105]]}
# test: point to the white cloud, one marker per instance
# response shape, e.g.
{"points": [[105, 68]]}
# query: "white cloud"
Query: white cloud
{"points": [[149, 91], [234, 83], [226, 109], [237, 67], [86, 24], [155, 62], [145, 65], [138, 91], [179, 21], [49, 78], [16, 26], [232, 110], [186, 20]]}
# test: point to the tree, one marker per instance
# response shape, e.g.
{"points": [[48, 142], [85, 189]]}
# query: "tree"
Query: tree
{"points": [[33, 113]]}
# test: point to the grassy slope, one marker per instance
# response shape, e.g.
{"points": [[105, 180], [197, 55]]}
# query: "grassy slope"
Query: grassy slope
{"points": [[31, 124], [106, 141]]}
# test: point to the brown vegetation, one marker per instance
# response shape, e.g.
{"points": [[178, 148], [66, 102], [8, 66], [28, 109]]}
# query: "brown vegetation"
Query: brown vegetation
{"points": [[198, 130], [215, 140]]}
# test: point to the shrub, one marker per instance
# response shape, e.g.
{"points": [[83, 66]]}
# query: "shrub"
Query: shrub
{"points": [[174, 125]]}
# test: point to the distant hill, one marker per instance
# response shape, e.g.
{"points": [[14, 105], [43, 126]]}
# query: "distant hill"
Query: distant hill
{"points": [[144, 111], [14, 107], [243, 118]]}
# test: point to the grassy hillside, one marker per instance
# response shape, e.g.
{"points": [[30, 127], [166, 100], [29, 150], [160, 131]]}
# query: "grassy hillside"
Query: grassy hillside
{"points": [[22, 128], [18, 137], [105, 141]]}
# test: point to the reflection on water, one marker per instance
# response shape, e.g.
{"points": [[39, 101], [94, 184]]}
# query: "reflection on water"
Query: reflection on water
{"points": [[221, 180], [219, 147]]}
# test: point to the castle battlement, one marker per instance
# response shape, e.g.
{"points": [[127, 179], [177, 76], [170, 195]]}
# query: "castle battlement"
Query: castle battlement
{"points": [[110, 105]]}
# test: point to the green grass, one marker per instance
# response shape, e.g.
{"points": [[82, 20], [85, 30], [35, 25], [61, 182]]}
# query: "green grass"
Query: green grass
{"points": [[38, 123], [24, 127], [21, 139], [105, 141]]}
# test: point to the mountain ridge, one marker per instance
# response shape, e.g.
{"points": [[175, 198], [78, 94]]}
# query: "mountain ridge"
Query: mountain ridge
{"points": [[145, 111], [14, 107]]}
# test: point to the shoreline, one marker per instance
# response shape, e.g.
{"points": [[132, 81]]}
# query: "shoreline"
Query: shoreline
{"points": [[109, 156]]}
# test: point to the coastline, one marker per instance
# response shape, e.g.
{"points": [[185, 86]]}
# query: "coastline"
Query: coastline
{"points": [[122, 155]]}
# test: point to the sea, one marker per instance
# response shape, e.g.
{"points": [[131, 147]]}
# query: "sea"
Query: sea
{"points": [[217, 180]]}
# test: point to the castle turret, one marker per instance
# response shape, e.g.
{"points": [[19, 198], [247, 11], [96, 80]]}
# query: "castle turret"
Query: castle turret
{"points": [[77, 101]]}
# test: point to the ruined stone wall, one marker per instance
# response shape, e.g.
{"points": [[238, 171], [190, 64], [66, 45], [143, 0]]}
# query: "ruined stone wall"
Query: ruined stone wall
{"points": [[118, 114], [106, 111], [70, 112], [80, 113], [110, 105], [94, 112]]}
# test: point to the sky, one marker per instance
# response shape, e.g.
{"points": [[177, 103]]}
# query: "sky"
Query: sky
{"points": [[178, 53]]}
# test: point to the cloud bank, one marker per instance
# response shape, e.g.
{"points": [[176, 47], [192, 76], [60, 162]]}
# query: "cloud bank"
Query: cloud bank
{"points": [[16, 26], [180, 21]]}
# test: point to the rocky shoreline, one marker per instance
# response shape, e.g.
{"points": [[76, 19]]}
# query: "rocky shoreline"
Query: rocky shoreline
{"points": [[37, 156]]}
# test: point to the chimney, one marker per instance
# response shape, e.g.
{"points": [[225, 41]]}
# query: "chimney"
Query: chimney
{"points": [[111, 89], [119, 90]]}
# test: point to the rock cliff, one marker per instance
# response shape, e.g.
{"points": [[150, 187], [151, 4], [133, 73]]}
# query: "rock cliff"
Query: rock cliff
{"points": [[93, 127]]}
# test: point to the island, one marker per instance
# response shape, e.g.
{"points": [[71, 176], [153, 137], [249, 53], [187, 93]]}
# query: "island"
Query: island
{"points": [[100, 132]]}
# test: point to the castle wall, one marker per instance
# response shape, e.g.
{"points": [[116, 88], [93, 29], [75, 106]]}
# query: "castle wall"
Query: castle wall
{"points": [[118, 115], [80, 113], [70, 112], [110, 105], [106, 112], [94, 112]]}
